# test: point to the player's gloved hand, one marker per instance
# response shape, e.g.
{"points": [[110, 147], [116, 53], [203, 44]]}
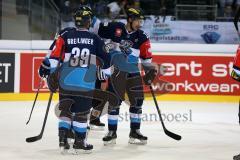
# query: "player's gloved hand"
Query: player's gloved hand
{"points": [[235, 76], [101, 75], [150, 76], [44, 69], [125, 46]]}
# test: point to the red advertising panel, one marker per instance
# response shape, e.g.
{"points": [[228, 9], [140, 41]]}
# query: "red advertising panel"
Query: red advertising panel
{"points": [[195, 75], [29, 79], [177, 74]]}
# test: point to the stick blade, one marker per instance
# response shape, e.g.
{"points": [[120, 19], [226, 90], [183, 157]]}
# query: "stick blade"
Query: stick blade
{"points": [[33, 139], [27, 122], [173, 135]]}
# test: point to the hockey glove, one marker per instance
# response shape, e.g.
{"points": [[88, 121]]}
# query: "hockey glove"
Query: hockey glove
{"points": [[53, 81], [109, 47], [150, 76], [235, 76], [44, 69], [101, 75], [125, 47]]}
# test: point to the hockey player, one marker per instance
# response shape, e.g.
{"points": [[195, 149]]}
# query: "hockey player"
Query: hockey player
{"points": [[235, 74], [95, 122], [236, 66], [77, 50], [131, 43]]}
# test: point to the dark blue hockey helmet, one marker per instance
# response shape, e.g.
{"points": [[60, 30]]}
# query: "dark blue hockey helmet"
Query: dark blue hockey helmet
{"points": [[86, 8], [134, 13], [83, 16]]}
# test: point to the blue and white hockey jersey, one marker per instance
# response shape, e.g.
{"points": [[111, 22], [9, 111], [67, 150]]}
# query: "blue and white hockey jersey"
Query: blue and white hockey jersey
{"points": [[81, 52], [138, 42]]}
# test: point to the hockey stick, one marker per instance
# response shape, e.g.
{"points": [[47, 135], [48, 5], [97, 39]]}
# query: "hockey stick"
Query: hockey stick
{"points": [[38, 137], [239, 112], [40, 84], [235, 21], [167, 132]]}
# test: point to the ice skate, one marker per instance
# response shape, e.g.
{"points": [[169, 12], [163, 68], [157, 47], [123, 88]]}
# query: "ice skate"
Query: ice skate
{"points": [[110, 138], [63, 142], [81, 146], [237, 157], [96, 124], [136, 137]]}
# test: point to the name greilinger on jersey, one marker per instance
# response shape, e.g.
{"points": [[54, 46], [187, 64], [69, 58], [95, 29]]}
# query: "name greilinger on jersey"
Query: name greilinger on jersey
{"points": [[80, 41]]}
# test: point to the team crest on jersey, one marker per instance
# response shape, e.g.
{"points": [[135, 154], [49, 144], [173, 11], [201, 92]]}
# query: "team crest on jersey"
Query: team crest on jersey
{"points": [[118, 32], [126, 43]]}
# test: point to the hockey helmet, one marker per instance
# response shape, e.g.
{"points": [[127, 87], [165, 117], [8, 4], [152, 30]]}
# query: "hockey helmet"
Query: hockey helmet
{"points": [[134, 13], [86, 8], [82, 16]]}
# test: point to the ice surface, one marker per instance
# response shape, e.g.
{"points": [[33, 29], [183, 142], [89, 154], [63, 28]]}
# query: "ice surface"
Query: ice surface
{"points": [[210, 131]]}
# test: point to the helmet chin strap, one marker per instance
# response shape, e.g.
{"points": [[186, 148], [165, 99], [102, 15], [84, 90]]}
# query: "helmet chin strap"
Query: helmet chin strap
{"points": [[131, 27]]}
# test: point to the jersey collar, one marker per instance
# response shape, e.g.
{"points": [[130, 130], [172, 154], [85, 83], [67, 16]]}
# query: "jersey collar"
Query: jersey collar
{"points": [[129, 32]]}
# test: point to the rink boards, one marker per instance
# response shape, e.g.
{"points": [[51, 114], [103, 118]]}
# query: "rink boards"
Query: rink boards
{"points": [[185, 72], [166, 97]]}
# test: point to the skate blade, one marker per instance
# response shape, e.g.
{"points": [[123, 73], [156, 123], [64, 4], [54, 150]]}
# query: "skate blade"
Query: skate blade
{"points": [[96, 128], [137, 141], [63, 151], [237, 157], [81, 151], [70, 141], [108, 143]]}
